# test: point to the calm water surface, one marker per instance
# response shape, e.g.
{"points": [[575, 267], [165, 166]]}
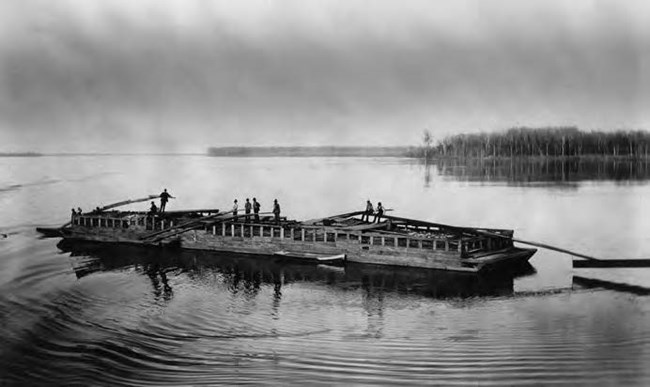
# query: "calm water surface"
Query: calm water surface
{"points": [[95, 315]]}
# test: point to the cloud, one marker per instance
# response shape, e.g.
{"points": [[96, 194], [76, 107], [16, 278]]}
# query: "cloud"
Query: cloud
{"points": [[174, 75]]}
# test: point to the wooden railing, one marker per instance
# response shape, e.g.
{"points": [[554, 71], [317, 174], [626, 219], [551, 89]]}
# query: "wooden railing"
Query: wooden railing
{"points": [[331, 235], [148, 222]]}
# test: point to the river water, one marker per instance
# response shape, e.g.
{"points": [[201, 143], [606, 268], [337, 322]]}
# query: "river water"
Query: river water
{"points": [[102, 315]]}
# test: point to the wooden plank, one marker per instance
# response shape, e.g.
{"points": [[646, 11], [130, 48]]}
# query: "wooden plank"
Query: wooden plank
{"points": [[200, 210], [342, 216], [181, 226], [192, 225], [363, 227], [610, 263]]}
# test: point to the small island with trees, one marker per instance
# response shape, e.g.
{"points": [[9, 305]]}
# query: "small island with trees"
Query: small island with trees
{"points": [[548, 142], [551, 154]]}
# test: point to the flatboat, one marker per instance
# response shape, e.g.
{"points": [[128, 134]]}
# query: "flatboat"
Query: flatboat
{"points": [[393, 241]]}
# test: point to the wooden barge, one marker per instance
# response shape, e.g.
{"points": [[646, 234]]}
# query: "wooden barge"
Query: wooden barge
{"points": [[346, 237]]}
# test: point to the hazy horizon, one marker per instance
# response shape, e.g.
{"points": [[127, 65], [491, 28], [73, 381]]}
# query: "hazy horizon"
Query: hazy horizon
{"points": [[184, 75]]}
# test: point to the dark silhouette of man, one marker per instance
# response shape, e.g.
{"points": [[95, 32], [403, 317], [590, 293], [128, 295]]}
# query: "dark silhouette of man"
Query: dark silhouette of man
{"points": [[276, 210], [164, 198], [247, 210], [256, 209], [369, 211]]}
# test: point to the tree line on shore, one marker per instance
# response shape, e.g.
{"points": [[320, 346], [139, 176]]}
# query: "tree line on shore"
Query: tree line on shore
{"points": [[537, 142]]}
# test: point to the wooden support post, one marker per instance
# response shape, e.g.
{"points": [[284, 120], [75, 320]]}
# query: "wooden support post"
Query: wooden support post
{"points": [[292, 233], [383, 241], [242, 230], [223, 229], [232, 230], [446, 245], [282, 232], [214, 229], [302, 237], [420, 243]]}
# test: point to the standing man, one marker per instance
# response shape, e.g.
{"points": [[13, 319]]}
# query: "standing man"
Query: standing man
{"points": [[276, 210], [164, 198], [235, 207], [256, 209], [369, 211], [247, 210], [380, 212]]}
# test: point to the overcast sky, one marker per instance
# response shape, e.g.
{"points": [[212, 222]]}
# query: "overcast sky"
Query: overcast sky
{"points": [[181, 75]]}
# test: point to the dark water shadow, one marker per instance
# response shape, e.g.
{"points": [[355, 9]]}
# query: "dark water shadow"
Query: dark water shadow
{"points": [[564, 173], [246, 274], [594, 283]]}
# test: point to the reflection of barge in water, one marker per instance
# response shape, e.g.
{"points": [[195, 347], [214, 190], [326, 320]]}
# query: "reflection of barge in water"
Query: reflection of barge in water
{"points": [[393, 241], [249, 274]]}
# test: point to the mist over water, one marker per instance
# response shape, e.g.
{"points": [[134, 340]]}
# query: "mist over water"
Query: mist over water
{"points": [[89, 314]]}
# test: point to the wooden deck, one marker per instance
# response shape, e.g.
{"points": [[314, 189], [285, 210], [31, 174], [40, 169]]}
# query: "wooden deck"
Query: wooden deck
{"points": [[394, 241]]}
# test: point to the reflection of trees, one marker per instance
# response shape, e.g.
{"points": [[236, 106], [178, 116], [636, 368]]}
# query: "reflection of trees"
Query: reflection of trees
{"points": [[543, 170]]}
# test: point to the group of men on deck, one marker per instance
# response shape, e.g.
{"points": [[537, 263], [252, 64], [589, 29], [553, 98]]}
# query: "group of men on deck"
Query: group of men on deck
{"points": [[370, 210], [248, 206], [255, 206]]}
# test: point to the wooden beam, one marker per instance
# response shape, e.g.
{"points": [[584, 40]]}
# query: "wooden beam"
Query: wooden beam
{"points": [[610, 263]]}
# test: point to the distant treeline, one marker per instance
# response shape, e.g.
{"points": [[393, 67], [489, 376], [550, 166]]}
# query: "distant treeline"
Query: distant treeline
{"points": [[20, 154], [542, 142], [305, 151]]}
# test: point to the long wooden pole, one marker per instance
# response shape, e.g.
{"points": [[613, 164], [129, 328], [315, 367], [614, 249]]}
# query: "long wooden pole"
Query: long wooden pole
{"points": [[129, 201], [559, 249]]}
